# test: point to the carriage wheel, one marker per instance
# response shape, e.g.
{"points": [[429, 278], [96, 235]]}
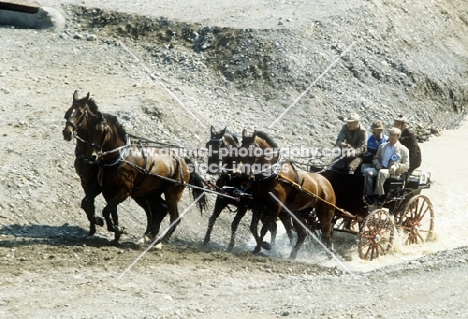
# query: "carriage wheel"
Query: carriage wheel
{"points": [[376, 237], [417, 220]]}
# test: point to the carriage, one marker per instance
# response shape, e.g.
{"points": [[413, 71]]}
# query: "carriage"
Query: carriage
{"points": [[326, 202], [404, 209]]}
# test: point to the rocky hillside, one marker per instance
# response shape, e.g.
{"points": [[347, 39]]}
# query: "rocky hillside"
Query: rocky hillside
{"points": [[403, 57]]}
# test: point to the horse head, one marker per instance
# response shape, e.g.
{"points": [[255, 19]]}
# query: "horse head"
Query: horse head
{"points": [[218, 147], [105, 135], [256, 152], [77, 115]]}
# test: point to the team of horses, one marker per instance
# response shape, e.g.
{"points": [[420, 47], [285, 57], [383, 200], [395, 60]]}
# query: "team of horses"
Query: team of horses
{"points": [[252, 175], [108, 161]]}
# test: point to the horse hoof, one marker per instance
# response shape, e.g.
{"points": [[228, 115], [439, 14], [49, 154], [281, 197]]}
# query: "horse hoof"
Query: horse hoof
{"points": [[230, 248], [92, 231], [158, 246], [99, 221], [146, 238], [256, 250], [118, 230], [266, 245]]}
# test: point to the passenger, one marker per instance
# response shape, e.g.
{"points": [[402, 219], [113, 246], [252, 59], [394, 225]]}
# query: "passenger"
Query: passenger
{"points": [[352, 141], [391, 160], [378, 137], [408, 139]]}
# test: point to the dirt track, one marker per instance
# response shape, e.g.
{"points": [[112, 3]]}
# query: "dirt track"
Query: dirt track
{"points": [[49, 270]]}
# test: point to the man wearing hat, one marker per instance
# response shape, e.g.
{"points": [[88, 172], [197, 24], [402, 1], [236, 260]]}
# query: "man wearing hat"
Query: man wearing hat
{"points": [[408, 139], [352, 141], [391, 160], [376, 138]]}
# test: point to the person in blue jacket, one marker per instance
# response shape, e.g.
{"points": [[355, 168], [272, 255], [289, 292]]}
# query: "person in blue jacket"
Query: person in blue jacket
{"points": [[376, 138]]}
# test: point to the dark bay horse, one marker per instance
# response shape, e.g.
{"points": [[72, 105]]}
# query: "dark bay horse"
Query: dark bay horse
{"points": [[228, 181], [141, 172], [77, 118], [222, 149], [298, 190]]}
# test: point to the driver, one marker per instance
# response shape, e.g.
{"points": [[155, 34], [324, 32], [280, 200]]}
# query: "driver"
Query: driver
{"points": [[352, 141]]}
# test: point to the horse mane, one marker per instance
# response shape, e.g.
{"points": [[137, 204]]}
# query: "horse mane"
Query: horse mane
{"points": [[234, 137], [267, 138], [92, 106], [90, 102], [120, 129]]}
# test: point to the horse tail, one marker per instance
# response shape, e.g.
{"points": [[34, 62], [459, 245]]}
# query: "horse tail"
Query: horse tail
{"points": [[197, 180]]}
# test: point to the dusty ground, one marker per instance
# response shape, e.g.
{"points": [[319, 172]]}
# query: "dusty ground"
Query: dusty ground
{"points": [[48, 269]]}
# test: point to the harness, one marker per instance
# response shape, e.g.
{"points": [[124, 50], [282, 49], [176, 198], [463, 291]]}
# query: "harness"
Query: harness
{"points": [[85, 115]]}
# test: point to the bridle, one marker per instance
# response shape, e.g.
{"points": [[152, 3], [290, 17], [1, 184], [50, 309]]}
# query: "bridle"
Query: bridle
{"points": [[274, 168], [80, 121], [103, 134], [100, 147], [221, 143]]}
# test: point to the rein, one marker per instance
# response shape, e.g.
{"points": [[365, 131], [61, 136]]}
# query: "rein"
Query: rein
{"points": [[144, 171], [302, 189], [277, 167]]}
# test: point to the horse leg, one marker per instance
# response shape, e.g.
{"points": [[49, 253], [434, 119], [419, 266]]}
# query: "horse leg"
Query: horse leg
{"points": [[112, 224], [118, 231], [174, 222], [301, 236], [288, 226], [326, 214], [106, 213], [254, 231], [153, 204], [111, 209], [145, 204], [87, 204], [92, 189], [172, 199], [159, 211], [157, 220], [269, 218], [220, 204], [241, 211], [273, 228]]}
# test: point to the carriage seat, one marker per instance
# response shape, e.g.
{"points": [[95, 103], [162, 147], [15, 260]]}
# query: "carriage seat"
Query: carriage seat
{"points": [[393, 186]]}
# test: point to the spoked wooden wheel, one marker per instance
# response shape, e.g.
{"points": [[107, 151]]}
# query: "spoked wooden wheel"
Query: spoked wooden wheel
{"points": [[417, 220], [376, 237]]}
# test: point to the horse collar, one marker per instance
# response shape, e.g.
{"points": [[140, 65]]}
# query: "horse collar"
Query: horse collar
{"points": [[221, 141]]}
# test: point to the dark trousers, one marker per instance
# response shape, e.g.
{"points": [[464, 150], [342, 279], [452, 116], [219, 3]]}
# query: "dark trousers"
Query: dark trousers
{"points": [[346, 164]]}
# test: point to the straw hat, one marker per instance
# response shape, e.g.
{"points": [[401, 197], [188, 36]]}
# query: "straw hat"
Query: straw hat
{"points": [[352, 117], [377, 125], [401, 118]]}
